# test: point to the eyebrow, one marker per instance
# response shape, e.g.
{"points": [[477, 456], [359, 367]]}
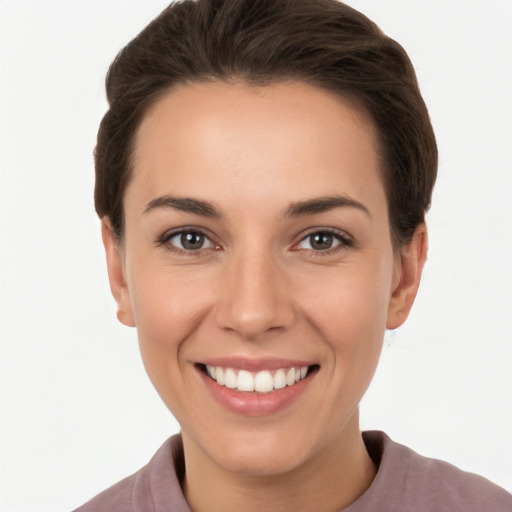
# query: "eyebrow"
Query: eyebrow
{"points": [[295, 209], [323, 204], [184, 204]]}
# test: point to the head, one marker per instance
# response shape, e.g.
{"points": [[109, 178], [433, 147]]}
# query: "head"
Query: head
{"points": [[263, 173]]}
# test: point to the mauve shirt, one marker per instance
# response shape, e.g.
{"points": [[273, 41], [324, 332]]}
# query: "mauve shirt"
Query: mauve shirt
{"points": [[405, 482]]}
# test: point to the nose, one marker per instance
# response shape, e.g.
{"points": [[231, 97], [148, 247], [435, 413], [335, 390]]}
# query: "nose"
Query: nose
{"points": [[255, 297]]}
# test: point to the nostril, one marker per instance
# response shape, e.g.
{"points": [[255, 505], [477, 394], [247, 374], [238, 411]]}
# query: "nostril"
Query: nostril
{"points": [[252, 320]]}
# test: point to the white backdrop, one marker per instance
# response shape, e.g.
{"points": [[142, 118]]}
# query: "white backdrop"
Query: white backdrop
{"points": [[77, 412]]}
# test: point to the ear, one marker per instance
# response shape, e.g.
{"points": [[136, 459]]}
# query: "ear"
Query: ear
{"points": [[409, 266], [116, 274]]}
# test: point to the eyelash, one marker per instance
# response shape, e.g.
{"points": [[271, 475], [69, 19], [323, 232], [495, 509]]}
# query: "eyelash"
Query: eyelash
{"points": [[344, 241], [165, 239]]}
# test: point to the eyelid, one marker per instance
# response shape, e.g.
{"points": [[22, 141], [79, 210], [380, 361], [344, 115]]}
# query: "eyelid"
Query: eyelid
{"points": [[164, 239], [345, 240]]}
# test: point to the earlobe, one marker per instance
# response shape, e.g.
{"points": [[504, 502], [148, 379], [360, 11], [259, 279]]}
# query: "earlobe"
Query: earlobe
{"points": [[409, 267], [116, 274]]}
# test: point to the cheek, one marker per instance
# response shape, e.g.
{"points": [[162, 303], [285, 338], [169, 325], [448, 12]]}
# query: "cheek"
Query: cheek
{"points": [[350, 304], [168, 306], [350, 314], [354, 332]]}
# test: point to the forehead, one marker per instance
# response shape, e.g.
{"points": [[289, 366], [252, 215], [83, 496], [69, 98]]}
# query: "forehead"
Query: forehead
{"points": [[225, 137]]}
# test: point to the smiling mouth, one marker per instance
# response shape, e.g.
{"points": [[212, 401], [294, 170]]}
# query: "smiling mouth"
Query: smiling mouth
{"points": [[265, 381]]}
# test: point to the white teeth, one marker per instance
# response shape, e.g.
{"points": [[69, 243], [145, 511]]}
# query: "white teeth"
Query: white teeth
{"points": [[279, 380], [230, 379], [245, 381], [261, 382], [219, 375]]}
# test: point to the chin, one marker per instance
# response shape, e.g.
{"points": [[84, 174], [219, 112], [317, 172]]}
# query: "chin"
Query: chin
{"points": [[255, 461], [261, 453]]}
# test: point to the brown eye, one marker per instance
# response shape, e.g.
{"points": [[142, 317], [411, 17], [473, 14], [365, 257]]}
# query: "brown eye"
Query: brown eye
{"points": [[190, 241], [323, 241]]}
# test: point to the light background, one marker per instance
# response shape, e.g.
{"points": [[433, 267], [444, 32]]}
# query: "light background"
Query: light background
{"points": [[77, 412]]}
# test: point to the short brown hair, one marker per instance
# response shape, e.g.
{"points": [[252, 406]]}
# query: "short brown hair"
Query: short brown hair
{"points": [[322, 42]]}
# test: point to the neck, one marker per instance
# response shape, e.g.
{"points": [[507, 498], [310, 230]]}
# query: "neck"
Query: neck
{"points": [[327, 482]]}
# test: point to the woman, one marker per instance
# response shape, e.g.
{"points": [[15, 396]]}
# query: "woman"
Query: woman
{"points": [[262, 177]]}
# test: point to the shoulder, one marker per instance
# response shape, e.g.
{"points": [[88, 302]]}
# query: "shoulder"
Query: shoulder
{"points": [[420, 483], [117, 497], [447, 486], [154, 484]]}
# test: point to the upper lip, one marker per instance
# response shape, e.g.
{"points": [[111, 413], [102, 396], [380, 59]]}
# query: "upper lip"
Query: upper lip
{"points": [[255, 364]]}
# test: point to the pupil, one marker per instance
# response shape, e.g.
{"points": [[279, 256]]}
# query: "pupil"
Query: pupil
{"points": [[192, 240], [321, 241]]}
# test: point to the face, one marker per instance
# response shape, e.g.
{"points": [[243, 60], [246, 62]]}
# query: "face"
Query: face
{"points": [[257, 254]]}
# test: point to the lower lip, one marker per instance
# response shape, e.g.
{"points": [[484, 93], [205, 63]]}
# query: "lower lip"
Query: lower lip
{"points": [[253, 403]]}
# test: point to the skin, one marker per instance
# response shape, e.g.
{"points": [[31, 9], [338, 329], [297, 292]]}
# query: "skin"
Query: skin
{"points": [[258, 288]]}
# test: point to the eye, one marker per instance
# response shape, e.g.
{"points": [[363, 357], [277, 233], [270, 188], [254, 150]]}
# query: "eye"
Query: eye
{"points": [[323, 241], [189, 240]]}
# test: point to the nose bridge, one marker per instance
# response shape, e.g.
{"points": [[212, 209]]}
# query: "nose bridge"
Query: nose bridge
{"points": [[254, 296]]}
